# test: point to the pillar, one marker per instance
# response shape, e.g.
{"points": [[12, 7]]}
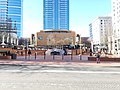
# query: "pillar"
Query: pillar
{"points": [[7, 39], [3, 39]]}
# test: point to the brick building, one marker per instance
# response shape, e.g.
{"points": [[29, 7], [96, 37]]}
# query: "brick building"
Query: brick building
{"points": [[52, 38]]}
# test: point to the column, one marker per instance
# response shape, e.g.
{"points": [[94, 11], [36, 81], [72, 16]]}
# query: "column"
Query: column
{"points": [[11, 40], [16, 41], [7, 39], [3, 39]]}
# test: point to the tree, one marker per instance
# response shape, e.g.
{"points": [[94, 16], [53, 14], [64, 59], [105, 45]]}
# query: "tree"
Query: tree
{"points": [[54, 40], [68, 41], [50, 40]]}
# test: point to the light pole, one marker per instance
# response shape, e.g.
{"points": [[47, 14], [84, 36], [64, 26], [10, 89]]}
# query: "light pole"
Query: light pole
{"points": [[80, 49], [79, 42], [26, 44], [9, 27]]}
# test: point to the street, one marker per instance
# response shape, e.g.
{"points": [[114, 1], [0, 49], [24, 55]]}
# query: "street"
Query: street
{"points": [[59, 77]]}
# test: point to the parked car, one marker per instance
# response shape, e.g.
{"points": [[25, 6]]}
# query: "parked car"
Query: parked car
{"points": [[55, 51]]}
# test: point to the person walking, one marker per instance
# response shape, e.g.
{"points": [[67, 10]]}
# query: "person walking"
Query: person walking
{"points": [[29, 53], [90, 52], [98, 57]]}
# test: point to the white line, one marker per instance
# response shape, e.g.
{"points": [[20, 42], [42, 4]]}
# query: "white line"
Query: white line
{"points": [[62, 71], [58, 71]]}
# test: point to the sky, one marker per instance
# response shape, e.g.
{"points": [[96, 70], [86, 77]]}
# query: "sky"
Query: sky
{"points": [[82, 13]]}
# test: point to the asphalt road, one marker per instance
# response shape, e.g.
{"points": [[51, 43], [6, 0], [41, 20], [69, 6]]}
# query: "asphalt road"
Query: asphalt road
{"points": [[59, 77]]}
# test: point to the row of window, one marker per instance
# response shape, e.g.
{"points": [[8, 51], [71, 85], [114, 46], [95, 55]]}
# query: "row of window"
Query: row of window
{"points": [[14, 3], [51, 24], [3, 10], [3, 6], [57, 28], [64, 0], [3, 14], [60, 11], [15, 18], [18, 26], [3, 2], [60, 4], [51, 10], [51, 15]]}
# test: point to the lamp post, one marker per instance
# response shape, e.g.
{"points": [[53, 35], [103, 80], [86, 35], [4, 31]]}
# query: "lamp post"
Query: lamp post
{"points": [[79, 42], [80, 49], [9, 27], [26, 44]]}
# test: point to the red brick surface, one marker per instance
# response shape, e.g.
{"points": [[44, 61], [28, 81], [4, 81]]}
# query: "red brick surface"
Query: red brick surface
{"points": [[105, 59]]}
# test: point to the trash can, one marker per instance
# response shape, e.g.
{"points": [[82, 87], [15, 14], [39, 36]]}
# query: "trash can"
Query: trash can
{"points": [[13, 56]]}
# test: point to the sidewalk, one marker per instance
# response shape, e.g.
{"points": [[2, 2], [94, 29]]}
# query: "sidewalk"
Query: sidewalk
{"points": [[57, 61]]}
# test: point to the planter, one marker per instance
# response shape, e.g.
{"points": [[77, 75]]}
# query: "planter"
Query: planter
{"points": [[5, 57], [104, 59]]}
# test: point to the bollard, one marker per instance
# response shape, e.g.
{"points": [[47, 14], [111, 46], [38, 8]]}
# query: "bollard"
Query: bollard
{"points": [[80, 57], [62, 56], [53, 57], [76, 51], [35, 55], [25, 54], [44, 55], [71, 57]]}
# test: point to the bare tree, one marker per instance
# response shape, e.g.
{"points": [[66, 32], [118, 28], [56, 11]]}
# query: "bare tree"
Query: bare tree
{"points": [[54, 40], [68, 41], [50, 40]]}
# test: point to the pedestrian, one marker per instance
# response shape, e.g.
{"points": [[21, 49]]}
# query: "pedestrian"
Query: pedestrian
{"points": [[90, 52], [29, 53], [98, 57]]}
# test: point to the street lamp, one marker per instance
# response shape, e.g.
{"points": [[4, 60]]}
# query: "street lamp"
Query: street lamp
{"points": [[79, 42], [26, 47]]}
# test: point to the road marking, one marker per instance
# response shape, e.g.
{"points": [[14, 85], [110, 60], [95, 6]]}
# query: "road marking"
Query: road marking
{"points": [[63, 71], [59, 71]]}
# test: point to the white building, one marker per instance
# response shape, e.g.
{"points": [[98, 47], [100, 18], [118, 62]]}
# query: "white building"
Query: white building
{"points": [[116, 25], [100, 33]]}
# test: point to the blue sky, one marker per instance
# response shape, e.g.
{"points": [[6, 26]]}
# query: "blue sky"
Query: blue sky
{"points": [[82, 13]]}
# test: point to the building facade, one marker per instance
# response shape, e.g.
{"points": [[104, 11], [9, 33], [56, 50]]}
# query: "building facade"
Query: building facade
{"points": [[55, 38], [100, 33], [56, 14], [116, 25], [11, 16]]}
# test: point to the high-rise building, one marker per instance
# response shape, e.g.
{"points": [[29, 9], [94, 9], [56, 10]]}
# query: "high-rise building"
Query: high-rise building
{"points": [[100, 32], [56, 14], [11, 16], [116, 25]]}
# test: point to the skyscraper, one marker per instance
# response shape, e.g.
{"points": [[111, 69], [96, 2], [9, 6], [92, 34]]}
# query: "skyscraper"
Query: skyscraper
{"points": [[11, 16], [56, 14]]}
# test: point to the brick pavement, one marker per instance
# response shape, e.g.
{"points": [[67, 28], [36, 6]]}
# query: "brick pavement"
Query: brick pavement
{"points": [[75, 61]]}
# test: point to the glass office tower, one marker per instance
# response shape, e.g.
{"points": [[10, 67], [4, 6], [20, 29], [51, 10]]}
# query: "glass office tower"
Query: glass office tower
{"points": [[56, 14], [11, 16]]}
